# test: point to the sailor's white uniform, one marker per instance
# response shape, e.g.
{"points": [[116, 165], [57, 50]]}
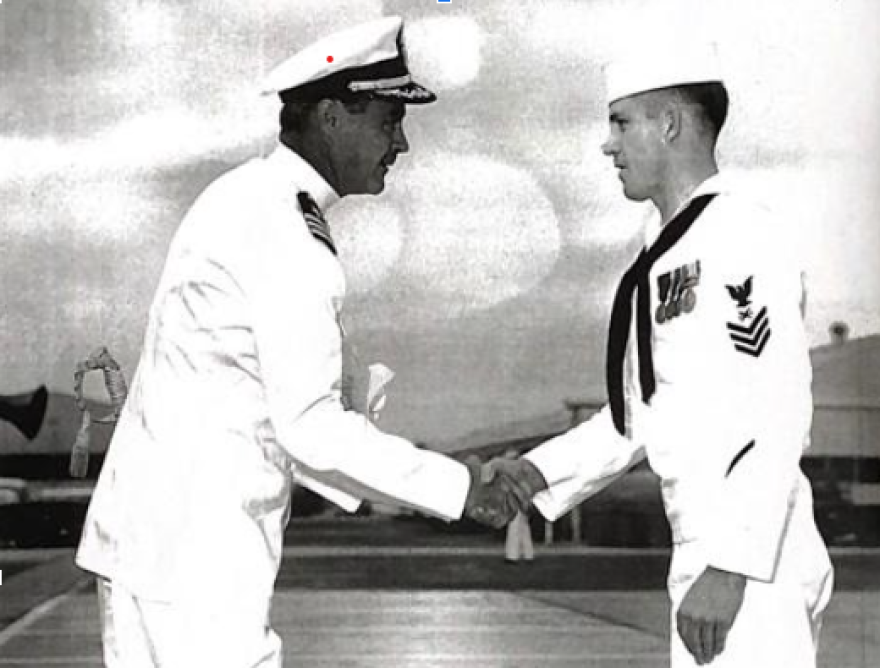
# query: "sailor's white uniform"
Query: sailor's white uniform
{"points": [[724, 429]]}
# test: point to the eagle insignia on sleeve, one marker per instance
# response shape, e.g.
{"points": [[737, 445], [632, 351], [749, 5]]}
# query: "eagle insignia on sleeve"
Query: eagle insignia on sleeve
{"points": [[751, 331], [741, 293]]}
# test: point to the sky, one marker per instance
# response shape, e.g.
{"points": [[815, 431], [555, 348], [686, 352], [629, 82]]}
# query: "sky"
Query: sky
{"points": [[484, 274]]}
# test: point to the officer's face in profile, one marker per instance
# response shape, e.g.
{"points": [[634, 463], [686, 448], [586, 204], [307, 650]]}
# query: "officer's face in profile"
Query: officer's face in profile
{"points": [[635, 142], [367, 140]]}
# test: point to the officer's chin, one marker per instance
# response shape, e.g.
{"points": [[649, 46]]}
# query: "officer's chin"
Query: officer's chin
{"points": [[371, 187], [376, 184]]}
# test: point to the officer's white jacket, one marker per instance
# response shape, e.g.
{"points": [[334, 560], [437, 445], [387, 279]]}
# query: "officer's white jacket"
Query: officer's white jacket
{"points": [[731, 414], [236, 394]]}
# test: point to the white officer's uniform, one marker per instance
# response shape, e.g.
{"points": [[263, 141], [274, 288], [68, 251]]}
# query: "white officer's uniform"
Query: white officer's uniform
{"points": [[724, 430], [236, 395]]}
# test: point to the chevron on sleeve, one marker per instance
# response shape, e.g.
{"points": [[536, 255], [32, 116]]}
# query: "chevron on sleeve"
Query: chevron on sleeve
{"points": [[751, 339]]}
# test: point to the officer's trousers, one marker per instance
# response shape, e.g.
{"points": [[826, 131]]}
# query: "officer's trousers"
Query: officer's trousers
{"points": [[146, 634], [779, 622]]}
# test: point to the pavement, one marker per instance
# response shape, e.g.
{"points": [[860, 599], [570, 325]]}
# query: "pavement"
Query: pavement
{"points": [[436, 607], [362, 553]]}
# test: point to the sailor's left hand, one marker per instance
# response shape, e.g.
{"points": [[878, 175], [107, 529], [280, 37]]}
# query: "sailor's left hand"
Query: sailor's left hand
{"points": [[708, 611]]}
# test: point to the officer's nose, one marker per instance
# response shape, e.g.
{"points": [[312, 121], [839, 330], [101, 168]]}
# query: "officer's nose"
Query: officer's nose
{"points": [[401, 144]]}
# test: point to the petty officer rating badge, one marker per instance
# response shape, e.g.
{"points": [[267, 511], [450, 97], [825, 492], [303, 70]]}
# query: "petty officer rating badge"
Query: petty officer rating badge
{"points": [[751, 331], [676, 290]]}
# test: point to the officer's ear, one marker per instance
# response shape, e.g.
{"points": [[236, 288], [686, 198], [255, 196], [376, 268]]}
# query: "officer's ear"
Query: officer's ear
{"points": [[327, 110]]}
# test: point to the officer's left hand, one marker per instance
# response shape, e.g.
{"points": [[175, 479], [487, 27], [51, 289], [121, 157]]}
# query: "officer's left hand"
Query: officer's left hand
{"points": [[708, 611]]}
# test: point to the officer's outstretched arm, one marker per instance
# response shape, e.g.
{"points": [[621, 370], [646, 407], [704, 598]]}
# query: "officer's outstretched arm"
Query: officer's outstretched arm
{"points": [[298, 345]]}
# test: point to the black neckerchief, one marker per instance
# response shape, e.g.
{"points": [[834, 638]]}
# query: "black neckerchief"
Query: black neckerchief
{"points": [[636, 280]]}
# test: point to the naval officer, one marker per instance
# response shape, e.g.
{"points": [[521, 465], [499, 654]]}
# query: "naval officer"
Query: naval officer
{"points": [[238, 392]]}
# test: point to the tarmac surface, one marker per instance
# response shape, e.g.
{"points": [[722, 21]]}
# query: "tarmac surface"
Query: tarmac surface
{"points": [[359, 600]]}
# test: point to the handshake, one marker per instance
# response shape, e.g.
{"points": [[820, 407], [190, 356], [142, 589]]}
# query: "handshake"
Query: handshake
{"points": [[500, 489]]}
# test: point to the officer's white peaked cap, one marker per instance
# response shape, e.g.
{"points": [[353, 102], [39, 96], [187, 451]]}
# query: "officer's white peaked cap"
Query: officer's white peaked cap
{"points": [[367, 59]]}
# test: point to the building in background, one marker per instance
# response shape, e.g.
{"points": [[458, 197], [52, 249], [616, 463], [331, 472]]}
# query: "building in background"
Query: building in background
{"points": [[843, 462], [40, 500]]}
